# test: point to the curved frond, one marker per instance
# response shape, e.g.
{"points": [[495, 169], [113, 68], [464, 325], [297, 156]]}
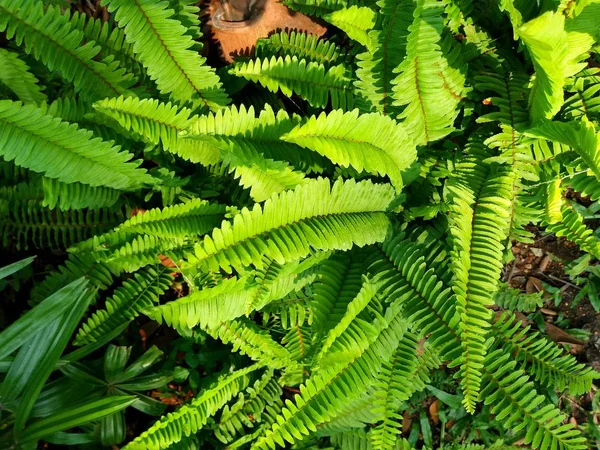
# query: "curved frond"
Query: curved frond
{"points": [[355, 21], [162, 45], [52, 38], [542, 358], [302, 45], [572, 228], [370, 142], [428, 85], [135, 295], [67, 196], [479, 214], [516, 404], [16, 76], [60, 150], [311, 212], [310, 80], [515, 300], [190, 418]]}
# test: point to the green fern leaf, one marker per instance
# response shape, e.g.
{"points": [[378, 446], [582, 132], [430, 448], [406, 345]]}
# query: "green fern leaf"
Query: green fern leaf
{"points": [[572, 228], [376, 66], [354, 210], [60, 150], [162, 46], [134, 295], [67, 196], [370, 142], [355, 21], [16, 76], [51, 37], [428, 85], [309, 80], [190, 418], [518, 406], [479, 217], [302, 45]]}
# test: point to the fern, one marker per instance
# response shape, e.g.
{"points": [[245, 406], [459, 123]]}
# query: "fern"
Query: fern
{"points": [[58, 144], [67, 196], [310, 80], [480, 209], [135, 295], [540, 357], [162, 46], [355, 21], [428, 85], [300, 44], [370, 142], [17, 77], [357, 207], [53, 38], [190, 418]]}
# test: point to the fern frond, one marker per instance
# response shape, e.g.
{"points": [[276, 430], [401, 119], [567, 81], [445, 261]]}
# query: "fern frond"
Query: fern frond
{"points": [[581, 137], [190, 418], [254, 408], [158, 122], [162, 45], [318, 7], [16, 76], [572, 228], [248, 339], [553, 201], [585, 101], [264, 177], [60, 150], [52, 38], [406, 279], [376, 66], [206, 307], [330, 389], [355, 21], [310, 80], [338, 281], [135, 295], [370, 142], [518, 406], [354, 210], [515, 300], [428, 85], [302, 45], [298, 342], [67, 196], [240, 130], [542, 358], [393, 386], [479, 216], [193, 218]]}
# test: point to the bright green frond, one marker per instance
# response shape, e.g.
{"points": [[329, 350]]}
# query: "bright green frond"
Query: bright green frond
{"points": [[516, 404], [50, 36], [190, 418], [370, 142], [479, 214], [135, 295], [291, 224], [332, 388], [393, 386], [193, 218], [428, 84], [515, 300], [206, 307], [161, 44], [406, 279], [16, 76], [318, 7], [542, 358], [302, 45], [355, 21], [61, 150], [376, 66], [310, 80], [572, 228]]}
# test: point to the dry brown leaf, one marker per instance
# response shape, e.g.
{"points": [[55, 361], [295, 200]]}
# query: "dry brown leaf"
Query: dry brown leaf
{"points": [[434, 409], [560, 336]]}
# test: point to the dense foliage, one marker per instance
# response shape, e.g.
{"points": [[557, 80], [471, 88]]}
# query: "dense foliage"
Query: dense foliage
{"points": [[323, 224]]}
